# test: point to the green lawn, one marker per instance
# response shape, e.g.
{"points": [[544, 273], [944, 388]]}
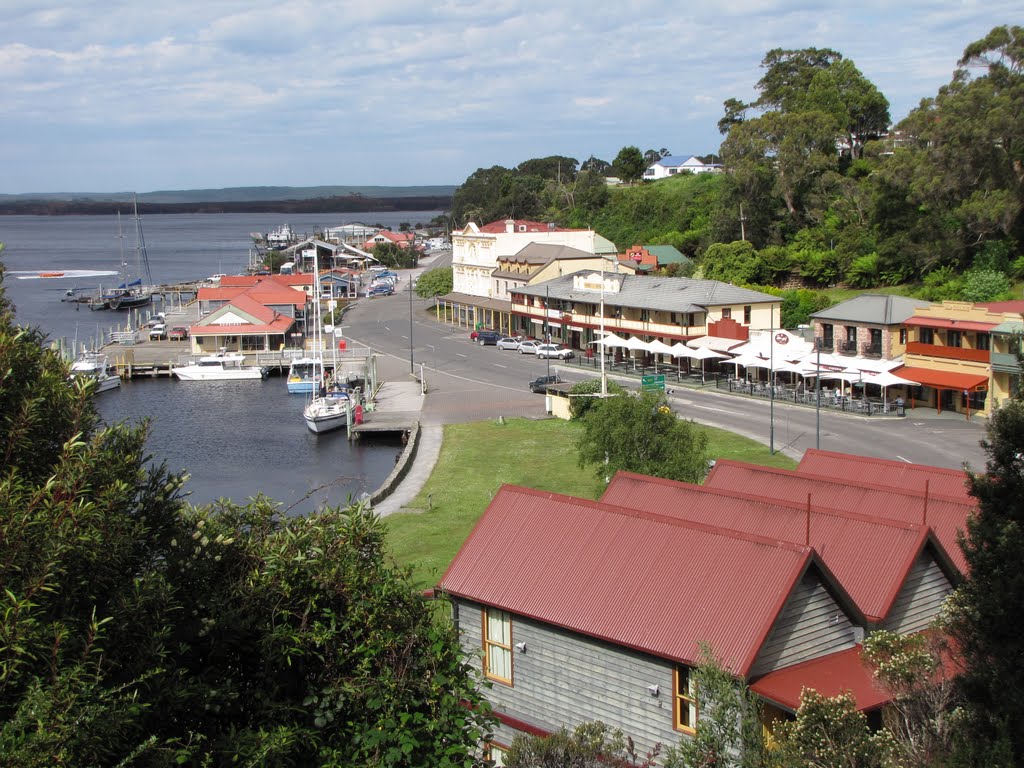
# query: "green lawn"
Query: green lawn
{"points": [[476, 459]]}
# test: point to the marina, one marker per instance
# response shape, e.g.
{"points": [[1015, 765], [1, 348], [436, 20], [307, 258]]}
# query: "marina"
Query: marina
{"points": [[234, 438]]}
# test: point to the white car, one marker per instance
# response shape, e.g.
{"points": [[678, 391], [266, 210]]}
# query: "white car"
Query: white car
{"points": [[158, 331], [553, 351], [507, 342], [528, 347]]}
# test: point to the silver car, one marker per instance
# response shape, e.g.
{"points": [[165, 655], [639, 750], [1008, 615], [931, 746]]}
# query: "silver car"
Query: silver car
{"points": [[528, 347], [553, 351], [507, 342]]}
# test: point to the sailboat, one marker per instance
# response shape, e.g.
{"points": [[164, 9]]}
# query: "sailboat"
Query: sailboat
{"points": [[323, 413], [103, 299], [136, 293]]}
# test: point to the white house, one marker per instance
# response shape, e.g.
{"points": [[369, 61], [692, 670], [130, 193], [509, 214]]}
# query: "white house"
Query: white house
{"points": [[676, 164]]}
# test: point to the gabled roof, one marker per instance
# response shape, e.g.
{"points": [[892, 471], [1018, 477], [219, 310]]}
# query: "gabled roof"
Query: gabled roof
{"points": [[670, 294], [667, 254], [870, 557], [899, 475], [873, 309], [543, 253], [828, 675], [273, 293], [677, 161], [498, 227], [651, 582]]}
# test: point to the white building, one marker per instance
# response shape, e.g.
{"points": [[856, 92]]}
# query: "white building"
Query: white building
{"points": [[477, 249], [676, 164]]}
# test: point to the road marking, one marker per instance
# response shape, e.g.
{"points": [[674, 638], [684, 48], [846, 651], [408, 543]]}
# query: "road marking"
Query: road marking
{"points": [[902, 459], [499, 365], [714, 408], [460, 354]]}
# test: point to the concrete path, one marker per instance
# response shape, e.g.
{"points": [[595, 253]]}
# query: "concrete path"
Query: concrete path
{"points": [[431, 437]]}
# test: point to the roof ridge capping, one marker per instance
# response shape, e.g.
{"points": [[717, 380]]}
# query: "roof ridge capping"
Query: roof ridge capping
{"points": [[655, 517]]}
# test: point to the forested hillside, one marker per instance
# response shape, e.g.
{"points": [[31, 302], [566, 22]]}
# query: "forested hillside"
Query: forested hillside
{"points": [[818, 182]]}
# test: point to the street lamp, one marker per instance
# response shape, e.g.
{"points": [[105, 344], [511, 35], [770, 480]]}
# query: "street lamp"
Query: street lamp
{"points": [[412, 367], [604, 378]]}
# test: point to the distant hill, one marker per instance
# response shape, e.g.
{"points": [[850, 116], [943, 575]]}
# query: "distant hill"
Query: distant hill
{"points": [[240, 194], [235, 200]]}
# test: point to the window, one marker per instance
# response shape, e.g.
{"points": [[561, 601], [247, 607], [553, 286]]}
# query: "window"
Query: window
{"points": [[903, 335], [954, 339], [746, 315], [496, 755], [498, 645], [927, 336], [685, 699], [726, 313], [645, 315], [826, 335], [851, 334], [984, 341]]}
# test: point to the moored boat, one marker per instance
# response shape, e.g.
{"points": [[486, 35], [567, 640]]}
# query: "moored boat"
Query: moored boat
{"points": [[220, 366], [92, 366], [324, 414], [305, 375]]}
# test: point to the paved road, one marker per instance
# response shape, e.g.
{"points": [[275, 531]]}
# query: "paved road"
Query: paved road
{"points": [[467, 382]]}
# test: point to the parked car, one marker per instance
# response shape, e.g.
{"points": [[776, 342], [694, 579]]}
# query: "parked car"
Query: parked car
{"points": [[553, 351], [487, 337], [507, 342], [158, 331], [473, 334], [540, 384], [380, 290], [177, 333], [528, 347]]}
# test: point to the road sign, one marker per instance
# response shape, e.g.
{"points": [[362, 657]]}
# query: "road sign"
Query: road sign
{"points": [[652, 382]]}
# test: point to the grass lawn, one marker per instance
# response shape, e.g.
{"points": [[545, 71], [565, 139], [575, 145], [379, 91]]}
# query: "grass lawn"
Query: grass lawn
{"points": [[477, 459]]}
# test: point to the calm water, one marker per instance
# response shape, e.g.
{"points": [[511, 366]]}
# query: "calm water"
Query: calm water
{"points": [[234, 438]]}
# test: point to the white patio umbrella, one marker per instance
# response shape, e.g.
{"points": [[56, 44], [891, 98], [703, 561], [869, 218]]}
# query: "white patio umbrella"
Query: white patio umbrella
{"points": [[611, 340], [887, 379], [659, 347], [702, 354], [681, 350], [634, 344]]}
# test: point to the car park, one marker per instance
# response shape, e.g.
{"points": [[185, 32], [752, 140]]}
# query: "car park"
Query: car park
{"points": [[177, 333], [541, 383], [528, 347], [487, 337], [158, 331], [553, 351], [507, 342]]}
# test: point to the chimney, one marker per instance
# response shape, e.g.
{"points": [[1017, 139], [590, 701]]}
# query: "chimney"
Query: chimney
{"points": [[510, 225]]}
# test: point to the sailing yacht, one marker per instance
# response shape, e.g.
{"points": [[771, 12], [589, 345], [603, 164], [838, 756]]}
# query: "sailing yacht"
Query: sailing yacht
{"points": [[136, 293], [323, 413]]}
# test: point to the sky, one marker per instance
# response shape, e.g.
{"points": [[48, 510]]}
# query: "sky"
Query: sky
{"points": [[112, 96]]}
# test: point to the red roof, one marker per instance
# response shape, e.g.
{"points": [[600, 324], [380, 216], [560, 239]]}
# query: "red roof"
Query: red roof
{"points": [[850, 469], [930, 377], [274, 293], [1004, 306], [221, 293], [870, 557], [923, 321], [828, 675], [235, 281], [270, 320], [944, 514], [616, 574]]}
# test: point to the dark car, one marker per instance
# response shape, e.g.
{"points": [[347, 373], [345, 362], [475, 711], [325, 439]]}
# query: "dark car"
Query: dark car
{"points": [[487, 337], [541, 383]]}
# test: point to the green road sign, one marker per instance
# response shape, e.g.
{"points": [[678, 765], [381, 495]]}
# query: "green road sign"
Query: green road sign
{"points": [[652, 382]]}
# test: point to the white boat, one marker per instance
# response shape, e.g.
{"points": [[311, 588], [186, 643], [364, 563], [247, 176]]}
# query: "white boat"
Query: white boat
{"points": [[281, 237], [221, 366], [93, 366], [323, 412], [305, 375]]}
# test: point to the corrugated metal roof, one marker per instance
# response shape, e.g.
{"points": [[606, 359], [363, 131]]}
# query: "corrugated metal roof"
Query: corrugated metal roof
{"points": [[931, 377], [872, 308], [650, 582], [924, 321], [828, 675], [669, 294], [898, 475], [870, 557]]}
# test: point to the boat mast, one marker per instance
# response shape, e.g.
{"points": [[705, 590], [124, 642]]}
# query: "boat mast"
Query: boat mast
{"points": [[140, 245], [120, 237]]}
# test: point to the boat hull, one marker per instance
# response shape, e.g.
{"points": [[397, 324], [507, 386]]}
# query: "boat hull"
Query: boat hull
{"points": [[326, 414], [208, 373], [305, 375]]}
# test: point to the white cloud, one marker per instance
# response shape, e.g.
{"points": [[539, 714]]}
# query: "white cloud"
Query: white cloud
{"points": [[339, 89]]}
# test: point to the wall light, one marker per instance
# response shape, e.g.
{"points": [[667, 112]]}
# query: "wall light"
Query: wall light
{"points": [[521, 647], [654, 690]]}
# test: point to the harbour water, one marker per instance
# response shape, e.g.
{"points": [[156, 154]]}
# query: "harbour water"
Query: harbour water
{"points": [[235, 439]]}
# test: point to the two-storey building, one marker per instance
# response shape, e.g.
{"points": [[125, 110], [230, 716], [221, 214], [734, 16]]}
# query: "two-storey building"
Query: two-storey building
{"points": [[869, 325], [576, 307]]}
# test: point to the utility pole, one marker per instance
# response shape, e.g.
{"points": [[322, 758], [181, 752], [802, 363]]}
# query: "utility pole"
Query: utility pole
{"points": [[412, 366], [743, 222], [547, 331]]}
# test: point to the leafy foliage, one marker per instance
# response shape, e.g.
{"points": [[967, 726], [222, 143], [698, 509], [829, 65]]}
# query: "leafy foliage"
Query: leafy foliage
{"points": [[394, 255], [590, 745], [434, 282], [580, 404], [829, 732], [629, 164], [137, 629], [640, 433]]}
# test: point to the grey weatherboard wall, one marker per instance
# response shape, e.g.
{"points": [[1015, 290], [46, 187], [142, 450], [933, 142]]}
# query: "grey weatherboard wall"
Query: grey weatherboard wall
{"points": [[920, 598]]}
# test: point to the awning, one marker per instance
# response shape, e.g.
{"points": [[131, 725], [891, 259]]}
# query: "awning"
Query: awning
{"points": [[829, 675], [715, 343], [929, 377], [956, 325]]}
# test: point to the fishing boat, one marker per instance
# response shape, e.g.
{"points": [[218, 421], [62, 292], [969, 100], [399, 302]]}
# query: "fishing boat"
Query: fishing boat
{"points": [[280, 238], [220, 366], [304, 375], [92, 366], [323, 412]]}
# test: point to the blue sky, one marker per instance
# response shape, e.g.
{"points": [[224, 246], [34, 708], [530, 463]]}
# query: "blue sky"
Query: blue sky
{"points": [[120, 96]]}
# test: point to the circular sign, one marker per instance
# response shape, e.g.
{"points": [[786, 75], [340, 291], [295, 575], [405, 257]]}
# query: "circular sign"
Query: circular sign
{"points": [[781, 338]]}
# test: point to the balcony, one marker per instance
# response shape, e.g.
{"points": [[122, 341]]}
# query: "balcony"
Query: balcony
{"points": [[825, 345], [867, 349], [846, 347], [949, 353]]}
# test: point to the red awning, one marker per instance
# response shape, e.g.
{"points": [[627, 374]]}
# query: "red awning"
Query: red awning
{"points": [[930, 377], [829, 675], [956, 325]]}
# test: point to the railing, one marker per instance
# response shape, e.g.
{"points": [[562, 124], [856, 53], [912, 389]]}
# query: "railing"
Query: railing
{"points": [[846, 347], [822, 344], [871, 350], [949, 353]]}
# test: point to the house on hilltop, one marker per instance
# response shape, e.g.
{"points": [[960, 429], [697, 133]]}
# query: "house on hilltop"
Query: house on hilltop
{"points": [[673, 165]]}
